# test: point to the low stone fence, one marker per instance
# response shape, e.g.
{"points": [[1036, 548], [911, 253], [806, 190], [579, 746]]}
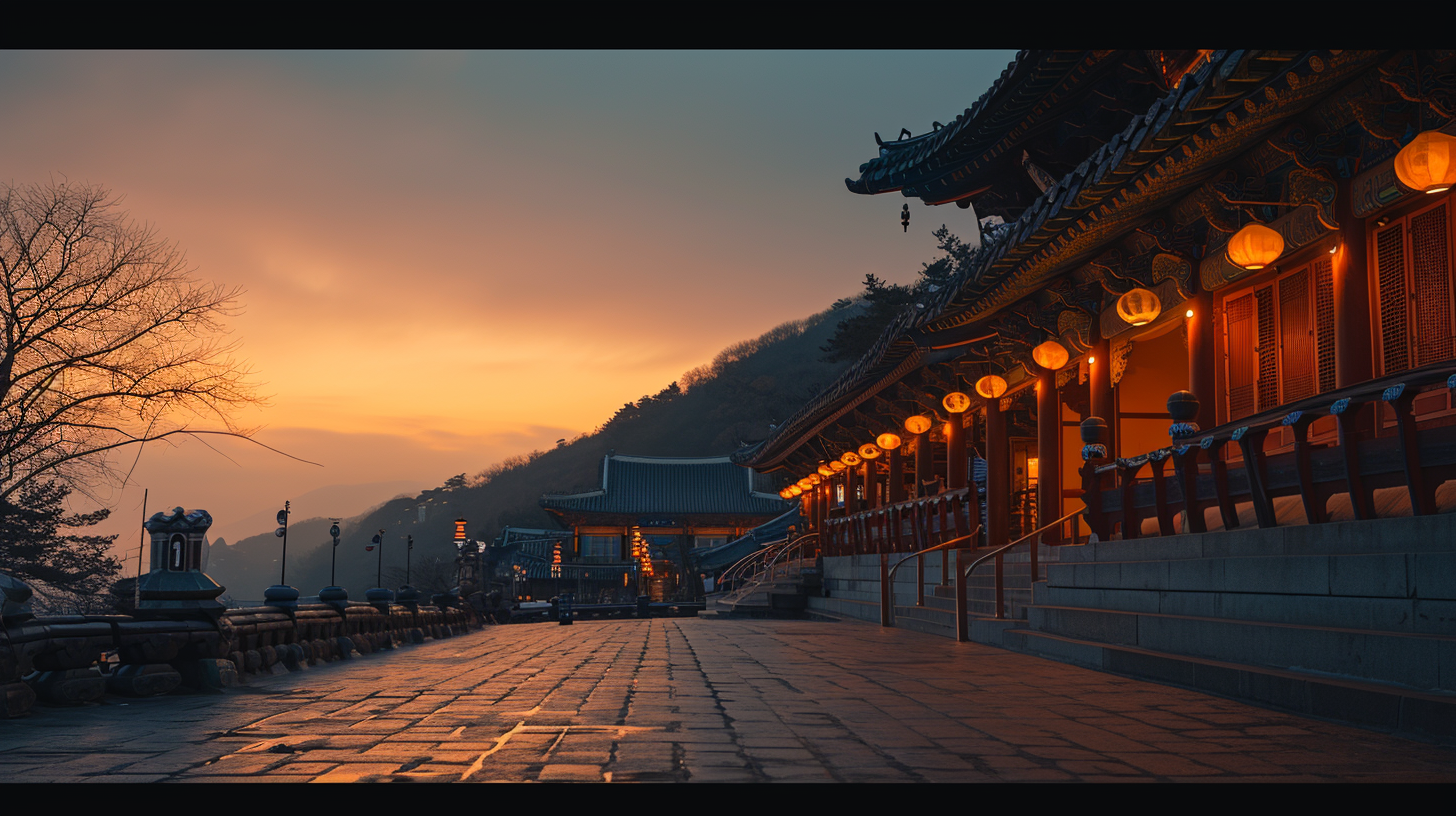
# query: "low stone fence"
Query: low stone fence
{"points": [[73, 659]]}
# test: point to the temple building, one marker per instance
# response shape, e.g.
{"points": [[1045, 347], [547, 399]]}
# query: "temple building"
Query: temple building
{"points": [[1226, 223], [638, 532]]}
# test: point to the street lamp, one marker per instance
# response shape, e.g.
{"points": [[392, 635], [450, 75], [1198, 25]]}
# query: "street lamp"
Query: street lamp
{"points": [[334, 559], [282, 532]]}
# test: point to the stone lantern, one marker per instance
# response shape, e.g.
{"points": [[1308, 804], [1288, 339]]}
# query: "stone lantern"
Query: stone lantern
{"points": [[177, 586]]}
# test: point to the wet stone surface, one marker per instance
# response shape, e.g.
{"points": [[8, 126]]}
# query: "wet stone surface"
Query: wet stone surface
{"points": [[699, 701]]}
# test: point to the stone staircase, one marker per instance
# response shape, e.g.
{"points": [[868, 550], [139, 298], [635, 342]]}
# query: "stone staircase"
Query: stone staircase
{"points": [[784, 597], [1353, 621]]}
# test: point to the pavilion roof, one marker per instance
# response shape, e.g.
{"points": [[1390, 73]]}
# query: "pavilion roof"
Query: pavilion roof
{"points": [[672, 486]]}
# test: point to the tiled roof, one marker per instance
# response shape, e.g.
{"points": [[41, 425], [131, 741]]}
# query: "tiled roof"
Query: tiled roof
{"points": [[1182, 138], [648, 485]]}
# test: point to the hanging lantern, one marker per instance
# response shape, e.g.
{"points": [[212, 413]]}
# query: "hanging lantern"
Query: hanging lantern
{"points": [[850, 458], [1050, 355], [1140, 307], [990, 386], [836, 466], [887, 441], [1254, 247], [815, 478], [868, 451], [785, 494], [805, 484], [825, 471], [918, 424], [905, 218], [956, 402], [1428, 163], [796, 490]]}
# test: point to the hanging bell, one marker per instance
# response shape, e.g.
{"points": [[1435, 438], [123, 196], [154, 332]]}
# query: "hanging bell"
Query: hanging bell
{"points": [[905, 217]]}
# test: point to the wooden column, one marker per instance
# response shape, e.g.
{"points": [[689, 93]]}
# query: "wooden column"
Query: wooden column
{"points": [[955, 454], [1200, 359], [924, 462], [998, 476], [871, 476], [895, 464], [1049, 454], [851, 506], [1354, 357], [1100, 386]]}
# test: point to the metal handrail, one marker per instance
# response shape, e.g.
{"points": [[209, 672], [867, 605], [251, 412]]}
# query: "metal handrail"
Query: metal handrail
{"points": [[795, 544], [735, 571], [999, 550], [753, 581], [944, 545]]}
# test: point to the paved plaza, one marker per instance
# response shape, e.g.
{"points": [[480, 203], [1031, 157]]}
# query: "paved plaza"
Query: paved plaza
{"points": [[694, 700]]}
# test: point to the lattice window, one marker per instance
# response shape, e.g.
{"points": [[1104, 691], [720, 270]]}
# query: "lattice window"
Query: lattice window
{"points": [[1324, 322], [1268, 349], [1296, 340], [1431, 283], [1391, 286], [1240, 342]]}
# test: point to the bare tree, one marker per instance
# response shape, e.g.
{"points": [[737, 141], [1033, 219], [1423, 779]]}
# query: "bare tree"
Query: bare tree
{"points": [[109, 339]]}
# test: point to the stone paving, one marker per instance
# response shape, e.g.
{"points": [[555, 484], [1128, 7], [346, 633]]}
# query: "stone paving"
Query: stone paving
{"points": [[696, 700]]}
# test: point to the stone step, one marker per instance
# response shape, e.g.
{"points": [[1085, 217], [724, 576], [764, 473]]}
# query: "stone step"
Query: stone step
{"points": [[1365, 703], [1429, 576], [1382, 614], [1426, 662]]}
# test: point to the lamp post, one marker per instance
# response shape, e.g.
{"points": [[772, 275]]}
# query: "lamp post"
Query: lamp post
{"points": [[409, 547], [282, 532], [334, 555], [379, 569]]}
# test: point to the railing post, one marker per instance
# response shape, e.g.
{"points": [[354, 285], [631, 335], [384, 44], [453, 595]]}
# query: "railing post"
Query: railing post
{"points": [[1183, 408], [962, 608], [1157, 460], [1346, 426], [1400, 398], [1251, 442], [1000, 587], [884, 589], [1314, 506], [1094, 452], [920, 581], [1226, 508]]}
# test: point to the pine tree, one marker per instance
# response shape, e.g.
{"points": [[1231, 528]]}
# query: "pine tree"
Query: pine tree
{"points": [[73, 571]]}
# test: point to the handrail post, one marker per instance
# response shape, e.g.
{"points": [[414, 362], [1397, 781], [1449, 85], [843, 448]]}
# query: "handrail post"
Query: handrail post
{"points": [[1000, 587], [920, 581], [885, 592], [962, 607]]}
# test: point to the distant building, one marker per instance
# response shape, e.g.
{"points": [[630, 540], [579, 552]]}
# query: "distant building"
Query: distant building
{"points": [[670, 506]]}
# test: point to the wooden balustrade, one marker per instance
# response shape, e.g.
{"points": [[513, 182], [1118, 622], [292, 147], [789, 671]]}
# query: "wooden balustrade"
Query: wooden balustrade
{"points": [[1123, 493]]}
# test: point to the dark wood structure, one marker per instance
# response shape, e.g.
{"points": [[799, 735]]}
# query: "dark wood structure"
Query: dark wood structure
{"points": [[1122, 178]]}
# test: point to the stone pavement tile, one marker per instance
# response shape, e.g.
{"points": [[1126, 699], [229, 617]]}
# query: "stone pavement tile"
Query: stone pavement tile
{"points": [[1086, 768], [717, 774], [304, 768], [1034, 775], [921, 759], [569, 772], [126, 777], [1161, 764], [954, 776], [240, 764], [872, 773], [398, 749], [1238, 763], [356, 771], [233, 780], [796, 773], [779, 755]]}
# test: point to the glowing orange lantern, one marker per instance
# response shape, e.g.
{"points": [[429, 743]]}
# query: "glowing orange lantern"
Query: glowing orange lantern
{"points": [[796, 490], [918, 424], [815, 478], [1141, 307], [990, 386], [868, 451], [887, 441], [850, 458], [836, 466], [1050, 355], [956, 402], [1426, 163], [1255, 247], [825, 471]]}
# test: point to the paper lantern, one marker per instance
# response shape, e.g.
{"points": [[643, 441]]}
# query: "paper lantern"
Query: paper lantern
{"points": [[1140, 307], [887, 441], [990, 386], [918, 424], [825, 471], [1050, 355], [796, 490], [1426, 164], [815, 478], [850, 458], [836, 466], [956, 402], [1255, 247], [868, 451]]}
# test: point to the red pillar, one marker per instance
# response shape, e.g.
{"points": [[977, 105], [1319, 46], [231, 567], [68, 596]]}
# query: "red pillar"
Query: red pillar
{"points": [[955, 454], [924, 462], [871, 481], [1200, 359], [1100, 384], [896, 466], [851, 506], [998, 476], [1049, 454]]}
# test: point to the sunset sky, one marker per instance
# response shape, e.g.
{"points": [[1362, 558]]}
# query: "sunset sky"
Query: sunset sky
{"points": [[450, 258]]}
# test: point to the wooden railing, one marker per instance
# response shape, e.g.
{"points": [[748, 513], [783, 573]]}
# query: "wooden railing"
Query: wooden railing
{"points": [[907, 526], [1355, 462]]}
